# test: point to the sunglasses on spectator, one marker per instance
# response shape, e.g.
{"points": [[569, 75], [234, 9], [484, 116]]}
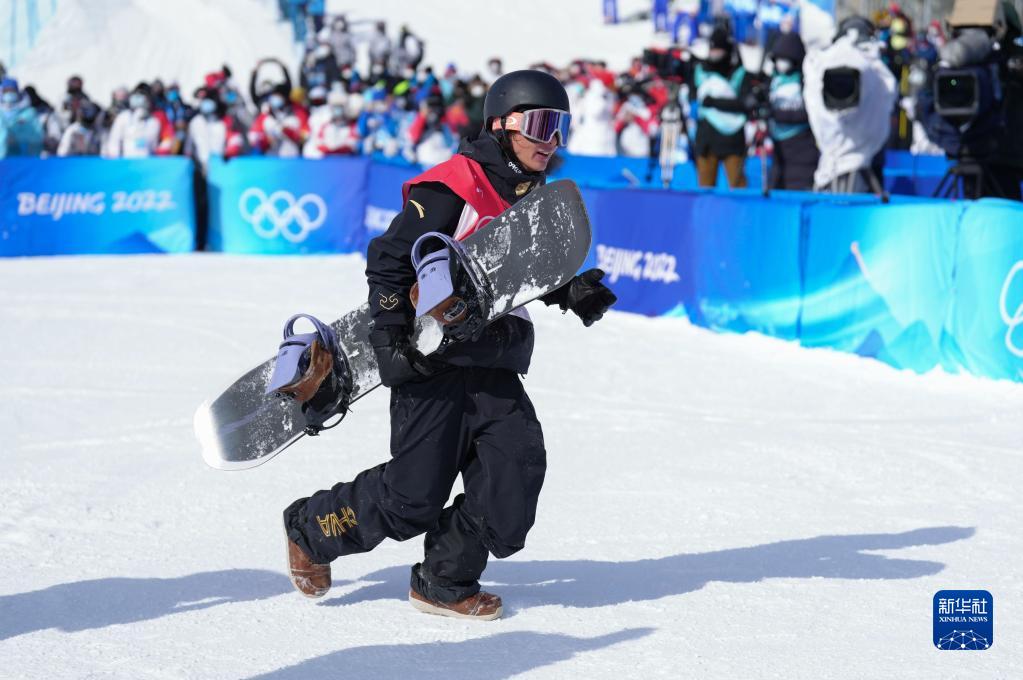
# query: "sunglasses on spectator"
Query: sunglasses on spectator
{"points": [[539, 125]]}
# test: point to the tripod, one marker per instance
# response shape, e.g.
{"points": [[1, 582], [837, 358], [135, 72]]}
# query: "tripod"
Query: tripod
{"points": [[969, 175]]}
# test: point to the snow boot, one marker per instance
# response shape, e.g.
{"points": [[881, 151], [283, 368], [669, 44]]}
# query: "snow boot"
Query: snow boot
{"points": [[481, 606], [309, 578]]}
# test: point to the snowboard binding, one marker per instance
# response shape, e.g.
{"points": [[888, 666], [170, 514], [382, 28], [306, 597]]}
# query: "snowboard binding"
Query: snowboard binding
{"points": [[451, 287], [312, 370]]}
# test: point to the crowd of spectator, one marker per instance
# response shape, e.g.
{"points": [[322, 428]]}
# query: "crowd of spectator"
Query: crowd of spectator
{"points": [[396, 105]]}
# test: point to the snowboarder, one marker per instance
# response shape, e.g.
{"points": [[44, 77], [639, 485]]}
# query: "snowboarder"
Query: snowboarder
{"points": [[467, 412]]}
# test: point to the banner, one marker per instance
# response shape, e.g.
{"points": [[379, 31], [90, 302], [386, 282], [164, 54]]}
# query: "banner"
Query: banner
{"points": [[879, 279], [742, 262], [383, 195], [984, 334], [59, 206], [638, 242], [283, 206]]}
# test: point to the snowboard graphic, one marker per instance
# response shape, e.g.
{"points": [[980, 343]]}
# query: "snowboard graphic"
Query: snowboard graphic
{"points": [[530, 249]]}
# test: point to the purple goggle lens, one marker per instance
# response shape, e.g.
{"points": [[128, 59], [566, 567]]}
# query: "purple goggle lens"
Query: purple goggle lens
{"points": [[540, 125]]}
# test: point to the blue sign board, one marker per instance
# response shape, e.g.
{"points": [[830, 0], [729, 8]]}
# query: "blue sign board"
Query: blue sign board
{"points": [[287, 206], [94, 205]]}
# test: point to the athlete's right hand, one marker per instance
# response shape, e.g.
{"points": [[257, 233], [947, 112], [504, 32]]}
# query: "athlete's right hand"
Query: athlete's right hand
{"points": [[397, 360]]}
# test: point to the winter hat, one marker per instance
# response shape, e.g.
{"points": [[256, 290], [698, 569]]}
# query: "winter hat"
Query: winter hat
{"points": [[789, 46], [9, 84]]}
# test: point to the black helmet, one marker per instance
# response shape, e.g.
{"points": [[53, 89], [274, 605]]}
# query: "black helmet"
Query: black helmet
{"points": [[521, 91]]}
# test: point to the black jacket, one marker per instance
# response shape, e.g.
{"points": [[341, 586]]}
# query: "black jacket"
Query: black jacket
{"points": [[507, 343]]}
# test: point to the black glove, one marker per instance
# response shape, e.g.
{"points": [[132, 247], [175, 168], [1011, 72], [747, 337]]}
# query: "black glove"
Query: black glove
{"points": [[588, 297], [397, 360]]}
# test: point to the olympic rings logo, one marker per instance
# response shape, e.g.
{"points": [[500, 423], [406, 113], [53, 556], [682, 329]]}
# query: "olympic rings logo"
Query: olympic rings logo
{"points": [[280, 213], [1015, 320]]}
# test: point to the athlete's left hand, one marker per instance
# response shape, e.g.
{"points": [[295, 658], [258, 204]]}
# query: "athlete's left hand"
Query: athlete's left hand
{"points": [[588, 298]]}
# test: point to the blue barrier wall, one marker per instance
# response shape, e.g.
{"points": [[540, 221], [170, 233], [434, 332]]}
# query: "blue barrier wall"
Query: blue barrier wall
{"points": [[62, 206], [287, 206], [917, 283]]}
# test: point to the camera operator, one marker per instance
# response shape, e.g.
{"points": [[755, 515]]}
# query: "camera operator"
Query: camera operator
{"points": [[795, 150], [849, 94], [972, 107], [721, 86], [1007, 162]]}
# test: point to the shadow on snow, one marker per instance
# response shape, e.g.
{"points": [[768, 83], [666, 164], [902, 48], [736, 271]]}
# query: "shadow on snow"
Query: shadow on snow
{"points": [[485, 658], [98, 603], [590, 583]]}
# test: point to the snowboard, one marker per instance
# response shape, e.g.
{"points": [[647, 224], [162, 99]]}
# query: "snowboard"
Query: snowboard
{"points": [[532, 248]]}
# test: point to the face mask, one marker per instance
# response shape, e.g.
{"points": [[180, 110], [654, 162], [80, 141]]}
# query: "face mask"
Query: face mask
{"points": [[173, 96], [337, 111], [231, 97], [207, 106], [138, 101], [477, 91], [9, 97], [276, 102], [783, 65]]}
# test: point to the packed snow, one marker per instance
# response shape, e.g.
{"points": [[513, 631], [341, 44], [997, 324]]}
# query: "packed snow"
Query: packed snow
{"points": [[716, 506]]}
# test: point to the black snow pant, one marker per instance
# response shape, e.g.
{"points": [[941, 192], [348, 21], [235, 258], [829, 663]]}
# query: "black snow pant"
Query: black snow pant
{"points": [[477, 422]]}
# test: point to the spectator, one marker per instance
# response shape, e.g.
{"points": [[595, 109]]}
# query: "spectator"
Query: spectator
{"points": [[21, 133], [53, 126], [315, 9], [211, 132], [178, 114], [795, 150], [477, 91], [721, 85], [118, 103], [140, 132], [74, 98], [82, 137], [319, 111], [635, 124], [230, 97], [261, 86], [281, 128], [338, 135], [380, 47], [593, 127], [495, 69], [319, 69], [340, 40], [408, 51], [432, 140], [350, 79], [375, 126]]}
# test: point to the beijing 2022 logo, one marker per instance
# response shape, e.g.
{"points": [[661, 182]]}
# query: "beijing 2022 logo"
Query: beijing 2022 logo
{"points": [[281, 213], [963, 620]]}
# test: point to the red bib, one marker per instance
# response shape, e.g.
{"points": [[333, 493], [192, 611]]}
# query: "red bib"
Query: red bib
{"points": [[467, 179]]}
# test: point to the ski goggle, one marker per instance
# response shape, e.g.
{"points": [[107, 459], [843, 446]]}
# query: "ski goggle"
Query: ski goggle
{"points": [[539, 125]]}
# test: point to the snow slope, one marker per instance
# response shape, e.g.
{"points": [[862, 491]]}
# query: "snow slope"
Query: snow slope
{"points": [[717, 506], [111, 43]]}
